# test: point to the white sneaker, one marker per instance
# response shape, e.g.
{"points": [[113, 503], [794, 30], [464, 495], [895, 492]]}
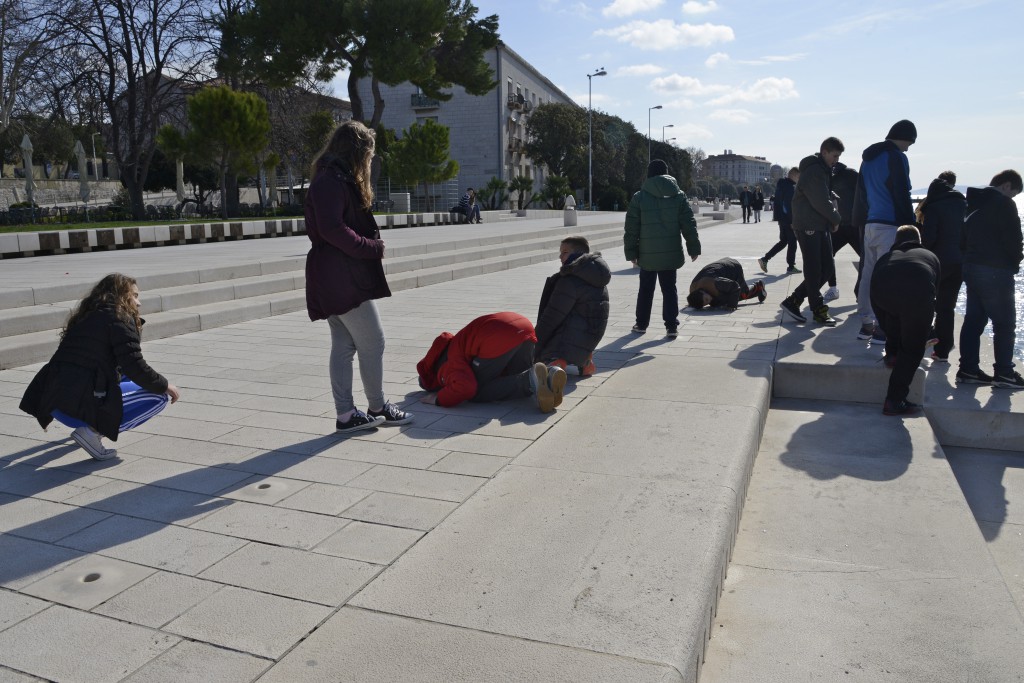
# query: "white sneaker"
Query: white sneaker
{"points": [[831, 295], [92, 443]]}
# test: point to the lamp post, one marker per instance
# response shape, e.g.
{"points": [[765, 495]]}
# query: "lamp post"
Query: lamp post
{"points": [[590, 136], [671, 125], [649, 109], [95, 168]]}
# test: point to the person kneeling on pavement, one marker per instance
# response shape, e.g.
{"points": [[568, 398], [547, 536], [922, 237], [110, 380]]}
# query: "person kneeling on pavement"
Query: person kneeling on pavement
{"points": [[903, 299], [573, 312], [490, 359], [720, 284]]}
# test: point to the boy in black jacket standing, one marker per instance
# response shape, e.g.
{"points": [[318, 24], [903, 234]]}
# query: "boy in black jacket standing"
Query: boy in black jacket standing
{"points": [[942, 216], [992, 247]]}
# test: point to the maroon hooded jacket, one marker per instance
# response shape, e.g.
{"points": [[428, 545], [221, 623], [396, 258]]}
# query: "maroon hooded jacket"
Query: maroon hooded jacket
{"points": [[343, 267]]}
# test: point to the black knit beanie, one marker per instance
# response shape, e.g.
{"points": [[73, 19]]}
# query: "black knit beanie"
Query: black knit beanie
{"points": [[903, 130], [657, 167]]}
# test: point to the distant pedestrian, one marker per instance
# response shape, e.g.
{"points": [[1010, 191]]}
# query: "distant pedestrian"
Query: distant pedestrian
{"points": [[815, 217], [97, 382], [882, 204], [490, 359], [785, 188], [469, 207], [746, 202], [344, 275], [941, 213], [903, 298], [757, 203], [658, 219], [720, 284], [992, 245]]}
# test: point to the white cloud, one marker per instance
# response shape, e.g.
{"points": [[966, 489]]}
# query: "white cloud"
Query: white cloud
{"points": [[686, 85], [625, 8], [680, 103], [639, 70], [765, 90], [690, 132], [716, 59], [732, 115], [665, 34], [598, 99], [693, 7]]}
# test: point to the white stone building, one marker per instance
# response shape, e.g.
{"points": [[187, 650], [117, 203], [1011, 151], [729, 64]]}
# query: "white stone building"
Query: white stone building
{"points": [[739, 168], [487, 132]]}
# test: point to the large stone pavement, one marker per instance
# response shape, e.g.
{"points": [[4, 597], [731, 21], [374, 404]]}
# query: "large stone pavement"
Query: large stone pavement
{"points": [[238, 538]]}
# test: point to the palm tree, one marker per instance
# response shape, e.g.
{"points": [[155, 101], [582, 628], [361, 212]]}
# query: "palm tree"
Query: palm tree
{"points": [[522, 185], [494, 190]]}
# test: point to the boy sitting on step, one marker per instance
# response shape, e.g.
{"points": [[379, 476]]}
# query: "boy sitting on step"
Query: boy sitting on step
{"points": [[574, 306]]}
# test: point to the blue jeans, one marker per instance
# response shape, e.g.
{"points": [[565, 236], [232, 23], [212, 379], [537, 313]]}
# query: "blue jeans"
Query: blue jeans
{"points": [[669, 298], [990, 296]]}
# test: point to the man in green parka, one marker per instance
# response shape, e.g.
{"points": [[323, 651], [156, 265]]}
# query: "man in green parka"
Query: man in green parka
{"points": [[657, 220]]}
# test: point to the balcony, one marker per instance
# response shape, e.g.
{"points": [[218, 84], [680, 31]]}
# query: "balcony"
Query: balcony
{"points": [[515, 145], [516, 101], [420, 101]]}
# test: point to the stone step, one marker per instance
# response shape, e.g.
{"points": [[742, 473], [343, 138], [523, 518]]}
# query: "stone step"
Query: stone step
{"points": [[187, 309]]}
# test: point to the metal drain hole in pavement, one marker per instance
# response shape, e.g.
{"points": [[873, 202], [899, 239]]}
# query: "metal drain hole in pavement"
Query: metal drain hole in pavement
{"points": [[263, 486], [89, 578]]}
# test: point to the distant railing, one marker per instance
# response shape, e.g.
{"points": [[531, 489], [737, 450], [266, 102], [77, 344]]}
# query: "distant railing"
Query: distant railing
{"points": [[420, 101]]}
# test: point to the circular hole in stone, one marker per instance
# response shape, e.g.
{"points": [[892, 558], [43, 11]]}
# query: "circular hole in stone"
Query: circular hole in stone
{"points": [[263, 486], [89, 578]]}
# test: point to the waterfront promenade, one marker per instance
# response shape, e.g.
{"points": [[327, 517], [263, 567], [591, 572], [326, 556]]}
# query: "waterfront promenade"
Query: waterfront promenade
{"points": [[238, 539]]}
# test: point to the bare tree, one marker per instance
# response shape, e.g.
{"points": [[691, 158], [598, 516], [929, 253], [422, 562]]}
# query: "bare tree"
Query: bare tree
{"points": [[137, 56], [26, 29]]}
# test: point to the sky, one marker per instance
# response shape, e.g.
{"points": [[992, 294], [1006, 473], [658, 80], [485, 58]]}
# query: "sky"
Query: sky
{"points": [[774, 79]]}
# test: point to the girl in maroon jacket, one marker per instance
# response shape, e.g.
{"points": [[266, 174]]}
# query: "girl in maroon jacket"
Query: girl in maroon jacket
{"points": [[344, 274]]}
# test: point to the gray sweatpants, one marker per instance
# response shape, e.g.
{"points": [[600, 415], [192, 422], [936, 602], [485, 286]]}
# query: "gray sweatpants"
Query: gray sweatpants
{"points": [[358, 331], [878, 239]]}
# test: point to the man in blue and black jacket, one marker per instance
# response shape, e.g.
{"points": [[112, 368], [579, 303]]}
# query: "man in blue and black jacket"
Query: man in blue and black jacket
{"points": [[882, 204]]}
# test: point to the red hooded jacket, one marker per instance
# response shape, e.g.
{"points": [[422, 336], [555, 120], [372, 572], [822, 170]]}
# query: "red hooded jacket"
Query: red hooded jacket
{"points": [[489, 336]]}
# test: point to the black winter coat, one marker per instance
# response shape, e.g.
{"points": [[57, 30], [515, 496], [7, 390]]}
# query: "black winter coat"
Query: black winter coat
{"points": [[944, 209], [783, 205], [723, 280], [573, 311], [343, 267], [82, 379], [844, 186], [812, 203], [992, 235], [907, 273]]}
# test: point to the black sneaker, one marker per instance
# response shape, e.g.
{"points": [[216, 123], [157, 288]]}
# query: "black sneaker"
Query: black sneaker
{"points": [[392, 414], [877, 337], [762, 263], [976, 377], [793, 269], [357, 422], [671, 332], [638, 330], [792, 310], [762, 293], [866, 332], [822, 317], [904, 407], [1010, 381]]}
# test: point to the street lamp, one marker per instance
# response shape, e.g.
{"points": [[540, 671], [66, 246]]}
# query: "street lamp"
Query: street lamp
{"points": [[671, 125], [657, 106], [590, 136], [95, 167]]}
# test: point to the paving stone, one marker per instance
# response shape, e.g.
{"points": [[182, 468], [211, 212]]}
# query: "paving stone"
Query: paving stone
{"points": [[293, 573], [15, 607], [92, 648], [23, 561], [240, 619], [168, 425], [426, 484], [289, 423], [88, 582], [9, 676], [471, 464], [48, 484], [325, 499], [42, 520], [265, 490], [170, 474], [190, 662], [370, 542], [275, 439], [403, 511], [189, 410], [384, 647], [290, 528], [484, 445], [382, 453], [154, 544], [158, 599], [419, 438], [150, 502]]}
